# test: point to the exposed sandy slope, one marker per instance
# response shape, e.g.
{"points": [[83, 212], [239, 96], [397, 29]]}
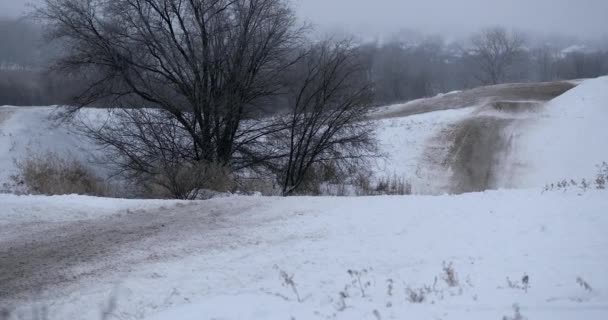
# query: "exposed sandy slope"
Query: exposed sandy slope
{"points": [[518, 92]]}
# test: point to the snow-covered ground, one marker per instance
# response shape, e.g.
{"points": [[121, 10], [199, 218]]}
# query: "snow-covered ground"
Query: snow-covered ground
{"points": [[419, 257], [223, 258]]}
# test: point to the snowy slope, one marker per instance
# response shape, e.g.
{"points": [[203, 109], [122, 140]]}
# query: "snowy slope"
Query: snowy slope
{"points": [[410, 143], [222, 259], [526, 147], [568, 139]]}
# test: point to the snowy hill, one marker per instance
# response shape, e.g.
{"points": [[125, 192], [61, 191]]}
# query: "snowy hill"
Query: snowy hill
{"points": [[499, 144]]}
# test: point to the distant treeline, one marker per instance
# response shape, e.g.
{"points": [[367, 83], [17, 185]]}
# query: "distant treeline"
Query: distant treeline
{"points": [[401, 69]]}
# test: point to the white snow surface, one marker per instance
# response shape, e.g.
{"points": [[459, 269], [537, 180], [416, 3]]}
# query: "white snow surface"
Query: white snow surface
{"points": [[231, 269], [568, 139]]}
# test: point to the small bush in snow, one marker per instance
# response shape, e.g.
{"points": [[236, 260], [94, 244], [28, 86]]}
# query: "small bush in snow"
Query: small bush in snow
{"points": [[393, 185], [524, 285], [341, 304], [449, 275], [516, 314], [390, 287], [358, 280], [581, 282], [288, 282], [415, 296], [602, 176], [185, 181], [52, 174], [600, 181]]}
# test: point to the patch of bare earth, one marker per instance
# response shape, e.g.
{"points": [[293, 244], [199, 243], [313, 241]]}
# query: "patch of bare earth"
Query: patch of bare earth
{"points": [[514, 92]]}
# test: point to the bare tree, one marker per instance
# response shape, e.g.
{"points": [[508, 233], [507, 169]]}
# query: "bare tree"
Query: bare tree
{"points": [[496, 50], [200, 67], [330, 97]]}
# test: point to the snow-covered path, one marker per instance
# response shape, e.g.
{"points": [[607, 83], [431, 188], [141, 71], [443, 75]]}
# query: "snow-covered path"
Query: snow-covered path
{"points": [[48, 244], [221, 259]]}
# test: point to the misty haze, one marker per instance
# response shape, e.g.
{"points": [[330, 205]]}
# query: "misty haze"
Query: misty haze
{"points": [[303, 159]]}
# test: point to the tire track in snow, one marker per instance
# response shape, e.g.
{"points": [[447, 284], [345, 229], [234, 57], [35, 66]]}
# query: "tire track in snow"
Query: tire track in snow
{"points": [[72, 252]]}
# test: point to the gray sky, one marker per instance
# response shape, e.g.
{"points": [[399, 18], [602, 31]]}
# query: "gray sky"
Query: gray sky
{"points": [[586, 18], [11, 8]]}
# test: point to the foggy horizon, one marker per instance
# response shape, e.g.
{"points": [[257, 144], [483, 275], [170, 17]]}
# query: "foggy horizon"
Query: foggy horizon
{"points": [[384, 18]]}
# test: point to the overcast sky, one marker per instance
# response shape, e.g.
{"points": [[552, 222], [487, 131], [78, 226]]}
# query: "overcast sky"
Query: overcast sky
{"points": [[586, 18]]}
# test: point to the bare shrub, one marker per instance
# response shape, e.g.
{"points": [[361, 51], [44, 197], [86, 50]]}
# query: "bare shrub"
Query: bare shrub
{"points": [[415, 295], [52, 174], [341, 304], [186, 180], [600, 180], [393, 185], [449, 275], [359, 281], [602, 176], [524, 285], [288, 282], [266, 186], [584, 284], [516, 314]]}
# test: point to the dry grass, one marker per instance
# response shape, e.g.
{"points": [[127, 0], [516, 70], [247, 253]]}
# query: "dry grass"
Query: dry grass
{"points": [[187, 181], [52, 174]]}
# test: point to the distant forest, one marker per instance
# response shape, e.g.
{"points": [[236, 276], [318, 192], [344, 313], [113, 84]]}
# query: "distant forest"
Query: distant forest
{"points": [[403, 67]]}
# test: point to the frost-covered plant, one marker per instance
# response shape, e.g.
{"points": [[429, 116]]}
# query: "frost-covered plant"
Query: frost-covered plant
{"points": [[393, 185], [449, 275], [359, 281], [390, 287], [288, 282], [377, 314], [341, 304], [516, 314], [524, 285], [602, 176], [600, 180], [415, 295], [581, 282]]}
